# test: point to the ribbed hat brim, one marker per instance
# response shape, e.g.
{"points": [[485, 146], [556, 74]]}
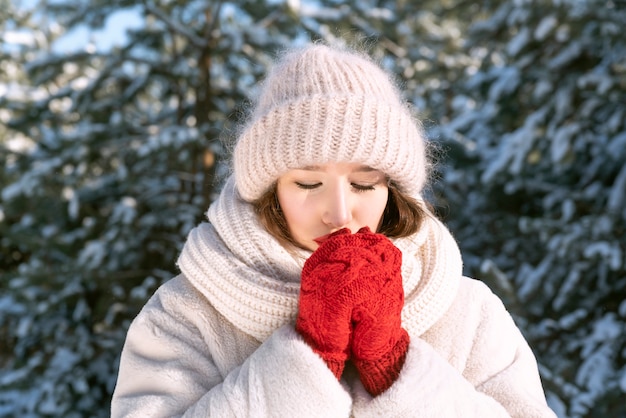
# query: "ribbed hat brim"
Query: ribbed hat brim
{"points": [[320, 129]]}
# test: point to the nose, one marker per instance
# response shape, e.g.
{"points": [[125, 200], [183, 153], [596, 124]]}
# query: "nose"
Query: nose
{"points": [[338, 209]]}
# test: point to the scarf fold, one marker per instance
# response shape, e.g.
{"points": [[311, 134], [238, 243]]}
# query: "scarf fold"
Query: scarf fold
{"points": [[255, 283]]}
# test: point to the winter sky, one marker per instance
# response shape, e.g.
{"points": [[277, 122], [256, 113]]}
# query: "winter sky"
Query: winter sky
{"points": [[111, 35]]}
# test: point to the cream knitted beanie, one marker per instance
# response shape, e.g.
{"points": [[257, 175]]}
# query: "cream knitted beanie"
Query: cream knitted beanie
{"points": [[320, 105]]}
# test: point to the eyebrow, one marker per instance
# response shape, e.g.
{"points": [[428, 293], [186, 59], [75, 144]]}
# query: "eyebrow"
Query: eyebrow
{"points": [[360, 169]]}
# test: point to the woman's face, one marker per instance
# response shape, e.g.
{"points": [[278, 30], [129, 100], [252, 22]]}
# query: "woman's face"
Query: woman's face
{"points": [[319, 200]]}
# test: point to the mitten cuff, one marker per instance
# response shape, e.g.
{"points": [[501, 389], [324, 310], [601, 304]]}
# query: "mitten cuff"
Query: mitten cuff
{"points": [[335, 361], [378, 375], [336, 366]]}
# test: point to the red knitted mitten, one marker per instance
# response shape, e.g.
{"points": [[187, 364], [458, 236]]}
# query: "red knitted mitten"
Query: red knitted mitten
{"points": [[329, 290], [379, 343]]}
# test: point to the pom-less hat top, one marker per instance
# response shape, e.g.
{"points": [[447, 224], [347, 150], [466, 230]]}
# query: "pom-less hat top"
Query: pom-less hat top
{"points": [[320, 105]]}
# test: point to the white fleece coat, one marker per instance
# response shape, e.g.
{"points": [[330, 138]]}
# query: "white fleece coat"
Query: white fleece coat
{"points": [[219, 341]]}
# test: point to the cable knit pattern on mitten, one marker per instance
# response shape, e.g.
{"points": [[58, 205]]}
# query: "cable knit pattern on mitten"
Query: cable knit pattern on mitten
{"points": [[333, 283], [325, 308], [379, 343]]}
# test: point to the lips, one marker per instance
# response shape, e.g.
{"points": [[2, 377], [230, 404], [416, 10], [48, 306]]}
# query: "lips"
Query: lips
{"points": [[324, 238]]}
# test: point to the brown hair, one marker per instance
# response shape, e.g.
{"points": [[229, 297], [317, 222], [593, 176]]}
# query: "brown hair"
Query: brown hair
{"points": [[402, 216]]}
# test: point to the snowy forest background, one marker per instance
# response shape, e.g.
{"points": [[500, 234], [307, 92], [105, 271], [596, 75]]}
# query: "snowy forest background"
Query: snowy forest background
{"points": [[109, 156]]}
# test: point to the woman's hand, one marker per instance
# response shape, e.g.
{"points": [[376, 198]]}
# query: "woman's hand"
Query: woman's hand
{"points": [[350, 302], [328, 292], [379, 343]]}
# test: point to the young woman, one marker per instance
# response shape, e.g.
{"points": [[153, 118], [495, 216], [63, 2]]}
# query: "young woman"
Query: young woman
{"points": [[322, 286]]}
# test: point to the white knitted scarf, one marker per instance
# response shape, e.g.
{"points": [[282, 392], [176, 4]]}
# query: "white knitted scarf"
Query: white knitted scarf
{"points": [[254, 282]]}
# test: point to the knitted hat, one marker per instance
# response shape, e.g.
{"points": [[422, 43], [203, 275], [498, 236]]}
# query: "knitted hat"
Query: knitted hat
{"points": [[320, 105]]}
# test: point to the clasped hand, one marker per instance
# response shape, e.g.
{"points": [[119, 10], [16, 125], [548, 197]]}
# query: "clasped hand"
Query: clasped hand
{"points": [[351, 300]]}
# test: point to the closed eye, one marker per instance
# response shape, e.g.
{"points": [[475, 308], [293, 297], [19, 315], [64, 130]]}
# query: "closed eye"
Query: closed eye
{"points": [[307, 186], [363, 187]]}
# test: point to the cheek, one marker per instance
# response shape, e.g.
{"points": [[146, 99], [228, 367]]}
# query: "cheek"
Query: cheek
{"points": [[294, 210], [294, 215], [374, 210]]}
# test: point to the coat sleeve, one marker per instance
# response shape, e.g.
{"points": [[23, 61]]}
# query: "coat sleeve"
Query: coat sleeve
{"points": [[478, 365], [168, 369]]}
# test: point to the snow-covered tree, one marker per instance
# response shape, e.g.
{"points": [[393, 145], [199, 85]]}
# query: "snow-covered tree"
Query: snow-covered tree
{"points": [[536, 186], [109, 158], [111, 155]]}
